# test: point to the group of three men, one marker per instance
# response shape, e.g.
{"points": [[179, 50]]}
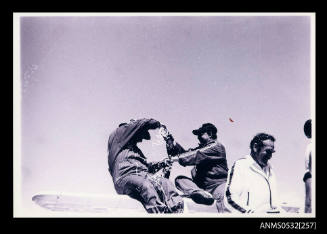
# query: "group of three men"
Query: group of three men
{"points": [[248, 187]]}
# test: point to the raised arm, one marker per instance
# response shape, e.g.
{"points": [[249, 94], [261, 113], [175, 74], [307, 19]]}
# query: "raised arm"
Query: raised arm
{"points": [[212, 152]]}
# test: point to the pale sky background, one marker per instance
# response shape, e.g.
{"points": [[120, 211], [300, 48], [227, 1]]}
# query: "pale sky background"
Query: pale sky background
{"points": [[82, 76]]}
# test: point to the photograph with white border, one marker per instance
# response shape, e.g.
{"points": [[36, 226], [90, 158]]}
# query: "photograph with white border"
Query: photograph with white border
{"points": [[164, 115]]}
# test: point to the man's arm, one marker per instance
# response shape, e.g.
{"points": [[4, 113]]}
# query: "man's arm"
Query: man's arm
{"points": [[154, 167], [150, 123], [173, 148], [127, 132], [212, 152]]}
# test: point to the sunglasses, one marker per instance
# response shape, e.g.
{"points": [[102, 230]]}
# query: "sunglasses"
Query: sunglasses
{"points": [[270, 151]]}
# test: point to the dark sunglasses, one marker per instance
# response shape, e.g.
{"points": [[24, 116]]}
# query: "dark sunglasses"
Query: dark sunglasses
{"points": [[270, 151]]}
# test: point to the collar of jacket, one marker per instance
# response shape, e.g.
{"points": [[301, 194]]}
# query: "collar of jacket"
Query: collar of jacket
{"points": [[256, 167], [206, 144]]}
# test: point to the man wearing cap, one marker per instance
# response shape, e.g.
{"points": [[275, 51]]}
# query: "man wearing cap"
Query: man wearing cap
{"points": [[210, 170], [133, 175]]}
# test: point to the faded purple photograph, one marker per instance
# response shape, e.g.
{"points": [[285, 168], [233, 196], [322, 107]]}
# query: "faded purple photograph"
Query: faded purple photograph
{"points": [[82, 76]]}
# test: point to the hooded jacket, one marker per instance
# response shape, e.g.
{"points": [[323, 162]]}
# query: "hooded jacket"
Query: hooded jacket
{"points": [[121, 138], [249, 189]]}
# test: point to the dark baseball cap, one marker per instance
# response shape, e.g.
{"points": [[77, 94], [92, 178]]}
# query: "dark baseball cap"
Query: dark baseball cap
{"points": [[207, 127]]}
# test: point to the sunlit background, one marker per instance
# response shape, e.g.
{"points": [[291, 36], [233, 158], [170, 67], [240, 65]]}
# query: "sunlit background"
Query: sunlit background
{"points": [[82, 76]]}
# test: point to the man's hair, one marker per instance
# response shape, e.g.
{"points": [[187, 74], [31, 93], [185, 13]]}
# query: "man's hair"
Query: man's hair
{"points": [[259, 138], [307, 128]]}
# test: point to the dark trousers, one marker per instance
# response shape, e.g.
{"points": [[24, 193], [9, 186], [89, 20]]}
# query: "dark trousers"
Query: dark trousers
{"points": [[188, 186], [307, 205], [157, 194]]}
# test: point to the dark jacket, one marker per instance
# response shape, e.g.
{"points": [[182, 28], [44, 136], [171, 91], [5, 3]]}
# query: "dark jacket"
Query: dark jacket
{"points": [[120, 145], [210, 164]]}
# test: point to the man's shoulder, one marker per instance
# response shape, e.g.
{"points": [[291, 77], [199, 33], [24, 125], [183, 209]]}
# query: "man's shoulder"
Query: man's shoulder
{"points": [[217, 145], [244, 161], [212, 146]]}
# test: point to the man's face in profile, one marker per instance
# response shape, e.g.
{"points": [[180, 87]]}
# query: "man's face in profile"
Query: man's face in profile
{"points": [[264, 154]]}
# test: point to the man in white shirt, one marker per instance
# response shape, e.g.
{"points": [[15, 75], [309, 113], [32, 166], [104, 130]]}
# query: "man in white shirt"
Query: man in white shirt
{"points": [[251, 183], [308, 161]]}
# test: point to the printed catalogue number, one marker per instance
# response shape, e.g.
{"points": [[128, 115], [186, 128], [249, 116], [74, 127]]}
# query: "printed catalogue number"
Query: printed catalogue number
{"points": [[288, 225]]}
